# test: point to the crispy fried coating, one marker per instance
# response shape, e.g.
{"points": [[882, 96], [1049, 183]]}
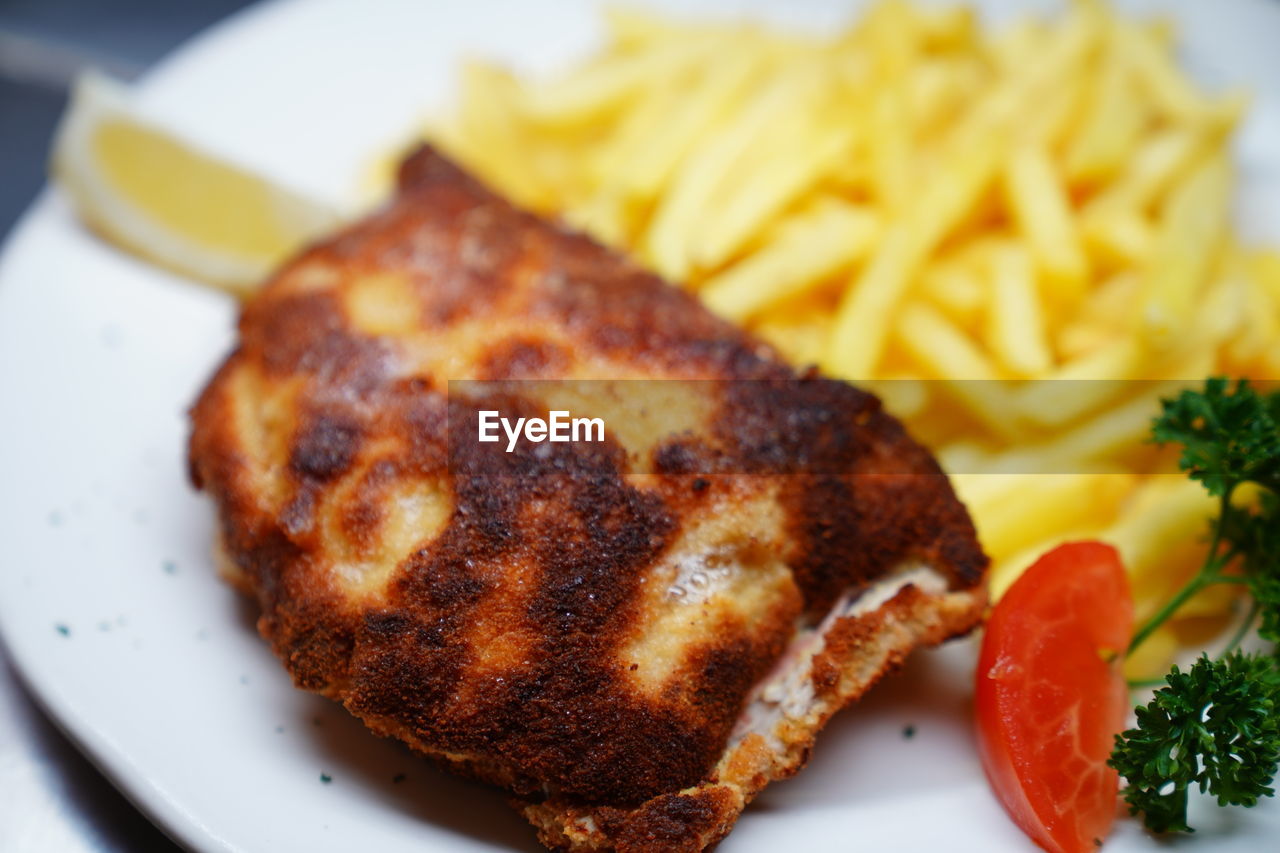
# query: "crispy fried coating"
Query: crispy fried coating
{"points": [[631, 636]]}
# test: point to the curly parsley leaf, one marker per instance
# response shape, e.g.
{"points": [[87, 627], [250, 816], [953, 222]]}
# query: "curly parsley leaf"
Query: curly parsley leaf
{"points": [[1229, 435], [1215, 726], [1266, 591], [1254, 535]]}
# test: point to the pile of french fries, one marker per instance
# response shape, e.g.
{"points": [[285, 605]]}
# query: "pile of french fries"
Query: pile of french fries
{"points": [[919, 197]]}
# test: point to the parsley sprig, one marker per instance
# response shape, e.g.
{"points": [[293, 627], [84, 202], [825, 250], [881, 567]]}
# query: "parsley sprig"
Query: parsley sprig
{"points": [[1216, 726]]}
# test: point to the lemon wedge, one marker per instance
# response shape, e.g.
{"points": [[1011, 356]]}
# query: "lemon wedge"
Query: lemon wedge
{"points": [[163, 198]]}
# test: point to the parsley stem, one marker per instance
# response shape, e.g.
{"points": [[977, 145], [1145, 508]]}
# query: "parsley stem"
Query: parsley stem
{"points": [[1197, 583], [1209, 573], [1243, 630]]}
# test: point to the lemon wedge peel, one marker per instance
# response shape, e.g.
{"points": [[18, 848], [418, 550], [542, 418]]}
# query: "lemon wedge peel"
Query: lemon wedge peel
{"points": [[166, 200]]}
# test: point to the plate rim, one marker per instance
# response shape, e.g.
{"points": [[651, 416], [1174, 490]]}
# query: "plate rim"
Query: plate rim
{"points": [[159, 805]]}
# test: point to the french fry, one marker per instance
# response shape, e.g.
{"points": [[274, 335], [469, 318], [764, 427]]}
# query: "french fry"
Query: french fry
{"points": [[1222, 307], [979, 489], [1192, 225], [1050, 120], [1168, 89], [1163, 30], [1011, 49], [607, 216], [945, 352], [747, 206], [893, 43], [1117, 237], [858, 337], [1151, 659], [938, 89], [915, 197], [1081, 338], [1159, 162], [627, 140], [1264, 266], [1043, 212], [1114, 301], [860, 330], [949, 28], [609, 84], [642, 162], [940, 347], [1041, 504], [1255, 342], [1110, 128], [946, 201], [1030, 78], [890, 145], [1105, 436], [1212, 603], [1266, 365], [956, 290], [961, 458], [1169, 514], [823, 241], [1016, 326], [1124, 427], [489, 113], [985, 492], [707, 168], [1081, 386], [1007, 569], [905, 396], [797, 335]]}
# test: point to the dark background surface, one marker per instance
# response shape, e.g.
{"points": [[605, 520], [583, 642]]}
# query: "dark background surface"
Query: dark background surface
{"points": [[43, 43], [52, 800]]}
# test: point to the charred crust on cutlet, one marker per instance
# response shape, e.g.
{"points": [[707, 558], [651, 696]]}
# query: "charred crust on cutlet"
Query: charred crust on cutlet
{"points": [[308, 334], [494, 643], [419, 416], [569, 513], [424, 167], [684, 455], [324, 446], [785, 425], [522, 358], [679, 823], [361, 512]]}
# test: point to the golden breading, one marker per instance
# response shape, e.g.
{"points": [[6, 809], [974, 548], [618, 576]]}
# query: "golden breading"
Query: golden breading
{"points": [[632, 636]]}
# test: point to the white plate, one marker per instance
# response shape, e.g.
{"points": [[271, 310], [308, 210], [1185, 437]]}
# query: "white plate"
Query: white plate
{"points": [[160, 676]]}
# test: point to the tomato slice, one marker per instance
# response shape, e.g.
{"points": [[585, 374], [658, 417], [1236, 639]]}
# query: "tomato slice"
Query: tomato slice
{"points": [[1051, 695]]}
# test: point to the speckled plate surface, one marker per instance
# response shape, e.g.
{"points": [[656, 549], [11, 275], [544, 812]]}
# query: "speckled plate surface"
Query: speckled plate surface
{"points": [[108, 600]]}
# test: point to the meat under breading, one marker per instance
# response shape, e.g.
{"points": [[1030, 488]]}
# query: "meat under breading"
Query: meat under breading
{"points": [[632, 636]]}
